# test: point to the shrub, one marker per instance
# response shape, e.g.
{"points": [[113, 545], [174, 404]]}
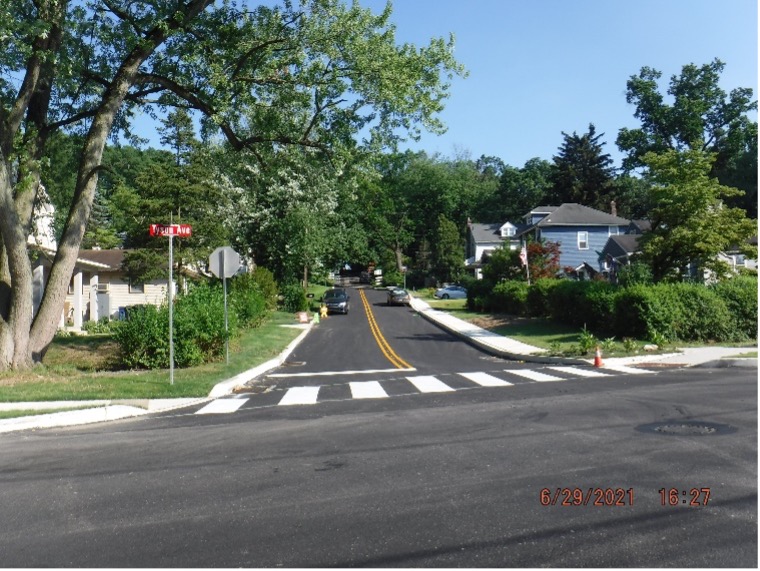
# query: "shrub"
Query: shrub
{"points": [[584, 303], [705, 316], [102, 326], [267, 286], [740, 296], [538, 300], [294, 298], [477, 295], [642, 310], [199, 333], [199, 325], [247, 300], [509, 297], [143, 338], [681, 311]]}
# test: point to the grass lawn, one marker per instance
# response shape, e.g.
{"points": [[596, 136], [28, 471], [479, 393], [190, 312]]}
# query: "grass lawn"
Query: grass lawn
{"points": [[82, 368]]}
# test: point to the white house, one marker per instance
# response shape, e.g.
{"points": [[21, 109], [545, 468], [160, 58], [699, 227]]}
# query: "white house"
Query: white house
{"points": [[98, 288]]}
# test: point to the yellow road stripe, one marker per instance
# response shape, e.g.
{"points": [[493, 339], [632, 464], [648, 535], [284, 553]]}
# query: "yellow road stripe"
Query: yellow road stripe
{"points": [[385, 347]]}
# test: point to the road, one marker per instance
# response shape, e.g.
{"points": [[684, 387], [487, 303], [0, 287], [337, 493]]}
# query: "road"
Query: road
{"points": [[452, 478]]}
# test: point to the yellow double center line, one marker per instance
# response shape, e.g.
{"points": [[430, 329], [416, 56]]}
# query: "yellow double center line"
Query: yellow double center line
{"points": [[389, 353]]}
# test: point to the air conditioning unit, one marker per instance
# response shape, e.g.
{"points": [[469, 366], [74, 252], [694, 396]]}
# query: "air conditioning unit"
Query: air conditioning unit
{"points": [[103, 288]]}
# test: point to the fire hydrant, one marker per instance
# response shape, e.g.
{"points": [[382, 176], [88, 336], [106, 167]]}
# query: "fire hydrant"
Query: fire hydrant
{"points": [[323, 311]]}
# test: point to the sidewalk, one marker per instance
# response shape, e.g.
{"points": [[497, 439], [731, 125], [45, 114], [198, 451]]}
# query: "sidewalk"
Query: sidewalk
{"points": [[101, 411]]}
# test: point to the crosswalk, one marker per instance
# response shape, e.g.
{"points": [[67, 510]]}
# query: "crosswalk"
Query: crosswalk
{"points": [[411, 384]]}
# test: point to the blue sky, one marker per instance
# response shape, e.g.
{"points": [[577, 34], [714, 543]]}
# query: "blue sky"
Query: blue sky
{"points": [[541, 67]]}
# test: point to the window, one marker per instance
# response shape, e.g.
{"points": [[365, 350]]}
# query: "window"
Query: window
{"points": [[613, 230], [135, 287], [583, 240]]}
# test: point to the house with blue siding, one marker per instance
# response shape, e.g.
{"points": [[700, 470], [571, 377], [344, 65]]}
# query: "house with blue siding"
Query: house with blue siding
{"points": [[581, 232]]}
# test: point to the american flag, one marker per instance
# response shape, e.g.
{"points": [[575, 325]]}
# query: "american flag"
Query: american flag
{"points": [[524, 256]]}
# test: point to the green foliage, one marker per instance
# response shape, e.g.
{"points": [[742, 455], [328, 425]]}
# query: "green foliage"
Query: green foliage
{"points": [[587, 341], [582, 173], [447, 251], [103, 326], [267, 286], [634, 273], [502, 264], [696, 114], [539, 297], [684, 311], [509, 297], [246, 300], [689, 221], [199, 332], [294, 298], [582, 303], [740, 296], [143, 339], [666, 312]]}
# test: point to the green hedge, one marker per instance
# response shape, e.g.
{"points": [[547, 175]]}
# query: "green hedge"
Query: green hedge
{"points": [[725, 312], [199, 329]]}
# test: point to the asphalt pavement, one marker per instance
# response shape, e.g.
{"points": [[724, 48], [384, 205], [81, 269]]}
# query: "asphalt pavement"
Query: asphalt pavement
{"points": [[109, 410]]}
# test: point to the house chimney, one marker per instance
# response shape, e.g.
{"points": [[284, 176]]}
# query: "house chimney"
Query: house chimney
{"points": [[613, 208]]}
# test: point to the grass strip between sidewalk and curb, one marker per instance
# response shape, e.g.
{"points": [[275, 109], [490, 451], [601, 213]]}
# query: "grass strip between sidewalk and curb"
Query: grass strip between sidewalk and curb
{"points": [[59, 382]]}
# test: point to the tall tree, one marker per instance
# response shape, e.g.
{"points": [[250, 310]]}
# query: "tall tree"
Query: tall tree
{"points": [[702, 116], [690, 223], [520, 189], [310, 75], [177, 133], [582, 172], [448, 251]]}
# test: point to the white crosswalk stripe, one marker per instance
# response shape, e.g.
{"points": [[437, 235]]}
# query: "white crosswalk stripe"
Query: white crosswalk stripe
{"points": [[580, 371], [222, 406], [429, 384], [300, 395], [367, 390], [424, 384], [627, 370], [485, 380], [534, 375]]}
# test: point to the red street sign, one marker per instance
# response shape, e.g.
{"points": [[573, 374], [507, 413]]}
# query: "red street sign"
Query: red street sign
{"points": [[179, 230]]}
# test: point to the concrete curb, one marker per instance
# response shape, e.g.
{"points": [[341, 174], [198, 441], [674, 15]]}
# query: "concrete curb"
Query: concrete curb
{"points": [[228, 387]]}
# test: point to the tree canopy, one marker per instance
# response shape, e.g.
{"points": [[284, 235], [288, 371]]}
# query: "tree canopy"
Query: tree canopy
{"points": [[695, 113], [312, 74], [690, 223]]}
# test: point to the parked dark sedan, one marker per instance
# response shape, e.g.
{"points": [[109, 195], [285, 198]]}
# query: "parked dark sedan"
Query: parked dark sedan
{"points": [[398, 296], [336, 300]]}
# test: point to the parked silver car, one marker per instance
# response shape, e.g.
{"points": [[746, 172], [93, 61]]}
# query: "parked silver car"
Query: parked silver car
{"points": [[398, 296], [451, 292]]}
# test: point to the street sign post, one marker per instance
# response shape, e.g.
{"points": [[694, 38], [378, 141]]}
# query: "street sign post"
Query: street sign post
{"points": [[171, 230], [224, 262]]}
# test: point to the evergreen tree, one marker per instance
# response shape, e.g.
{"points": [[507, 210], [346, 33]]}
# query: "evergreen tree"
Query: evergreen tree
{"points": [[582, 172]]}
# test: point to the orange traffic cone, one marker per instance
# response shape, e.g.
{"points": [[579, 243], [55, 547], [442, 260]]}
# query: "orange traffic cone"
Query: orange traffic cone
{"points": [[598, 358]]}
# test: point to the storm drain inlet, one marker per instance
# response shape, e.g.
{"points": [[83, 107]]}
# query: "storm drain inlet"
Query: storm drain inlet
{"points": [[686, 428]]}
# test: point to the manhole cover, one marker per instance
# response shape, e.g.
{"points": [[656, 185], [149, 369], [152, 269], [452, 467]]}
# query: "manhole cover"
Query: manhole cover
{"points": [[686, 428]]}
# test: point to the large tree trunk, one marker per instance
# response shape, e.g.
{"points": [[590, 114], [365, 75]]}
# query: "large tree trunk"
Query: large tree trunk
{"points": [[23, 341], [17, 313]]}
